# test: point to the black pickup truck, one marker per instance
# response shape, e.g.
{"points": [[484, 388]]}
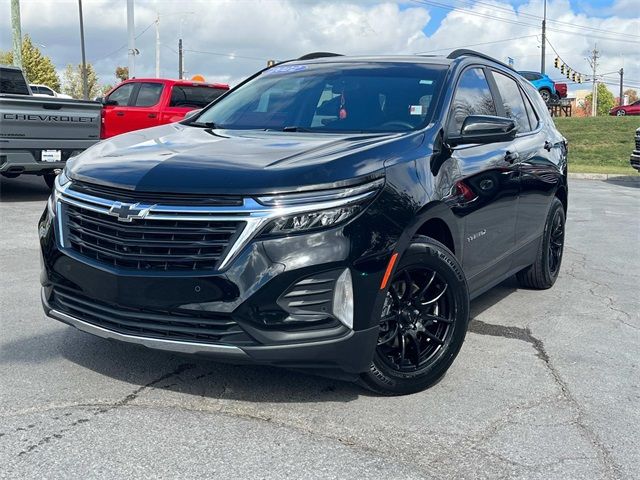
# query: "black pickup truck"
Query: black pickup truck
{"points": [[332, 213], [37, 134]]}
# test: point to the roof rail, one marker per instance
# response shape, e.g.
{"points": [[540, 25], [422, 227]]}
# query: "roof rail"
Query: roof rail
{"points": [[461, 52], [314, 55]]}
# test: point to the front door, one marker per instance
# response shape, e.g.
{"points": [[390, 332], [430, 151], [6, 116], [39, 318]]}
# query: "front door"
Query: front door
{"points": [[485, 192]]}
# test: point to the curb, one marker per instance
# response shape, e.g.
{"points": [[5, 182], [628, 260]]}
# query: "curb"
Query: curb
{"points": [[617, 177]]}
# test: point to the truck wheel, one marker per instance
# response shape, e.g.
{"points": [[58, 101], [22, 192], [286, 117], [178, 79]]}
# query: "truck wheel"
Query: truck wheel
{"points": [[423, 321], [49, 179], [544, 271], [546, 95]]}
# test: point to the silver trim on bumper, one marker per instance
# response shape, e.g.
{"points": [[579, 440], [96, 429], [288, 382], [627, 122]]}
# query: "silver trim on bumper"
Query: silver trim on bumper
{"points": [[227, 351]]}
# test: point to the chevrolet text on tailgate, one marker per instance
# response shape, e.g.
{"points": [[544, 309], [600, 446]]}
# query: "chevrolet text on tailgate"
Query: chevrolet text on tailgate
{"points": [[330, 213], [39, 134]]}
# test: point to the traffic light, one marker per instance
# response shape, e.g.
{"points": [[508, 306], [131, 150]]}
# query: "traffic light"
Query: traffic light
{"points": [[562, 69], [573, 77], [568, 72], [580, 78], [556, 62]]}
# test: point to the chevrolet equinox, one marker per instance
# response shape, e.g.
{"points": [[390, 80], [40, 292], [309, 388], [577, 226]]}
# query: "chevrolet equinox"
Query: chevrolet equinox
{"points": [[329, 213]]}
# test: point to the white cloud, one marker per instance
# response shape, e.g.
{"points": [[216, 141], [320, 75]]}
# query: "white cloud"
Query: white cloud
{"points": [[247, 33]]}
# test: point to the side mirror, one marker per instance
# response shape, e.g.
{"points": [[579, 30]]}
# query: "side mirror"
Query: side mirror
{"points": [[99, 99], [106, 102], [192, 113], [484, 129]]}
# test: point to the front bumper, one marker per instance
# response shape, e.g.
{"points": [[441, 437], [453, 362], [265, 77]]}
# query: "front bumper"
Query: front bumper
{"points": [[103, 300], [635, 159]]}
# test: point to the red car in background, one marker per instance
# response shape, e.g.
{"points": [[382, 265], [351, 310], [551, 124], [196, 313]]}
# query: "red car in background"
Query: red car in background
{"points": [[632, 109], [147, 102]]}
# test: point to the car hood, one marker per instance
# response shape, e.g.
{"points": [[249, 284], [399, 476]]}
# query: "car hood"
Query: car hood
{"points": [[177, 158]]}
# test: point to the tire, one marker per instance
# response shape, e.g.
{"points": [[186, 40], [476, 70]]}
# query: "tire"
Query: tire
{"points": [[417, 352], [543, 272], [621, 113], [49, 179], [545, 94]]}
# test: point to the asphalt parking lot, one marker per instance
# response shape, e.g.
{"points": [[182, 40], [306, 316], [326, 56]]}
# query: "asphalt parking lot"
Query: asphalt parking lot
{"points": [[547, 385]]}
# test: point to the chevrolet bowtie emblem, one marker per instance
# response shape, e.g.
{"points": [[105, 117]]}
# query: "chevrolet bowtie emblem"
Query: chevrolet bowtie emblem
{"points": [[127, 212]]}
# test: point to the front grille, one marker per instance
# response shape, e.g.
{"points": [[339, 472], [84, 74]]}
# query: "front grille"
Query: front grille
{"points": [[201, 327], [122, 195], [165, 245]]}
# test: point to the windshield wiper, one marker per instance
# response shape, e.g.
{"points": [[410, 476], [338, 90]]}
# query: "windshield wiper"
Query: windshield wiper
{"points": [[203, 124], [294, 128]]}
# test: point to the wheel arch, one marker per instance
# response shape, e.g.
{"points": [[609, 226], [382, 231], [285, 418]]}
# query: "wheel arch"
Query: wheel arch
{"points": [[437, 221]]}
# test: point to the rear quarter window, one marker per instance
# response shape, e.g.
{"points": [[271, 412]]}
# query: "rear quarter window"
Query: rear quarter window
{"points": [[12, 82]]}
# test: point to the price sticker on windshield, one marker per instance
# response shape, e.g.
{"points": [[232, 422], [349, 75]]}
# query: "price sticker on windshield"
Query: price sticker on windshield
{"points": [[51, 156]]}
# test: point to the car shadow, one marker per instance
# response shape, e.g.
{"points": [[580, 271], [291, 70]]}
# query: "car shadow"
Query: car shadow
{"points": [[186, 374], [630, 181], [197, 375], [26, 188]]}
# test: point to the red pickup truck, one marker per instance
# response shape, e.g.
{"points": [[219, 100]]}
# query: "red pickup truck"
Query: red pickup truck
{"points": [[147, 102]]}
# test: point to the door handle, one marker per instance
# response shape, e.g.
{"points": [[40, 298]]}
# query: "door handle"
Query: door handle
{"points": [[152, 115], [120, 114], [548, 145], [511, 157]]}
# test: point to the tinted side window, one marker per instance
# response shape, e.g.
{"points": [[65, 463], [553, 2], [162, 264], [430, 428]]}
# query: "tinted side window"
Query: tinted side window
{"points": [[531, 113], [12, 81], [185, 96], [121, 94], [149, 94], [512, 101], [472, 97]]}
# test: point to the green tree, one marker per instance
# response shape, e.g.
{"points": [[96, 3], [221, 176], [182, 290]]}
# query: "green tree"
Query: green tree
{"points": [[38, 68], [606, 101], [105, 88], [122, 73], [72, 81]]}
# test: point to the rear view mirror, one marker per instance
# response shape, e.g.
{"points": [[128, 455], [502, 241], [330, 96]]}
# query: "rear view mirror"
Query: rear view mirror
{"points": [[484, 129]]}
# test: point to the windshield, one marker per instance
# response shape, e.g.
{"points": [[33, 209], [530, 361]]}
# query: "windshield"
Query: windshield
{"points": [[339, 97]]}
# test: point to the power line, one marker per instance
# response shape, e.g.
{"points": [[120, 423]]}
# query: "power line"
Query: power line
{"points": [[125, 45], [476, 44], [515, 22], [559, 22]]}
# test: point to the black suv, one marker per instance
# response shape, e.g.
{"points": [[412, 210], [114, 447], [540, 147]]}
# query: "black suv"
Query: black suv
{"points": [[330, 213]]}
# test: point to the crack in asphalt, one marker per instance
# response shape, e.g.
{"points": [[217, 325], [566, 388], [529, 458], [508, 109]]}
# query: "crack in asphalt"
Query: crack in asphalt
{"points": [[524, 334], [104, 408]]}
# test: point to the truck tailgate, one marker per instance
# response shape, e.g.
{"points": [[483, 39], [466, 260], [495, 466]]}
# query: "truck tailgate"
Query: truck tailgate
{"points": [[36, 122]]}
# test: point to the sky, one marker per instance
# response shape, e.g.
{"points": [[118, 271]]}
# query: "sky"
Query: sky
{"points": [[227, 40]]}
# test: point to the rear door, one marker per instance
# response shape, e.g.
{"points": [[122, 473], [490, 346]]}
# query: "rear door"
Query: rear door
{"points": [[144, 107], [486, 190], [185, 98], [115, 116]]}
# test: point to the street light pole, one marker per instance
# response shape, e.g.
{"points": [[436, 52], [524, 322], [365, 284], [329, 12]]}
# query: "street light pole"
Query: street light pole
{"points": [[17, 33], [85, 81], [131, 31], [158, 46], [544, 37]]}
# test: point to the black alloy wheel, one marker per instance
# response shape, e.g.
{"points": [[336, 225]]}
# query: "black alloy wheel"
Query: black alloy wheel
{"points": [[423, 321], [416, 319], [556, 242], [543, 272]]}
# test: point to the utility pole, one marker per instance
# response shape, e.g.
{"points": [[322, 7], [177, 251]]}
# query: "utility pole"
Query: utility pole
{"points": [[621, 72], [180, 60], [17, 33], [158, 46], [594, 92], [544, 37], [131, 30], [85, 80]]}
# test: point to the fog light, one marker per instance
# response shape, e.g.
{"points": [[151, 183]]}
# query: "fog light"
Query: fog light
{"points": [[343, 299]]}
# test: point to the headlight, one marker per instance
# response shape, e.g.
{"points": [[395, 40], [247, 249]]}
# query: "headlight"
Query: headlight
{"points": [[61, 181], [318, 209]]}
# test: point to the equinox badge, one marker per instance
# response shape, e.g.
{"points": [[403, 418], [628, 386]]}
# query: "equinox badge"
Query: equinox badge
{"points": [[127, 212]]}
